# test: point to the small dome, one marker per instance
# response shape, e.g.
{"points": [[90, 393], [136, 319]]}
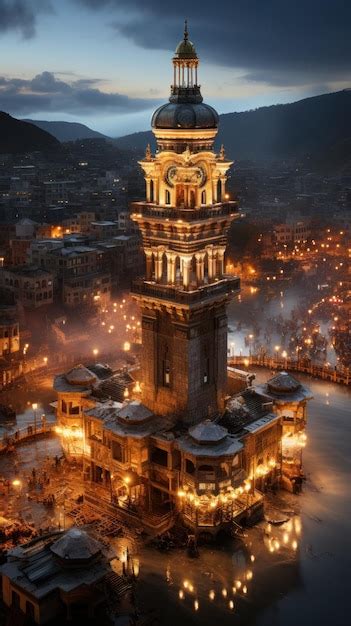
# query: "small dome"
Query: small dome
{"points": [[185, 115], [283, 383], [208, 432], [76, 545], [185, 50], [80, 375]]}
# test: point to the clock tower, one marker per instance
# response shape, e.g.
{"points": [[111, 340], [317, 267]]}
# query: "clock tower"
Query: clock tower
{"points": [[184, 223]]}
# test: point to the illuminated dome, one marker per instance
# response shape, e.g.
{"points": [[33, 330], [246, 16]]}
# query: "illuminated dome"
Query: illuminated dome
{"points": [[185, 109], [185, 115], [283, 383], [208, 432]]}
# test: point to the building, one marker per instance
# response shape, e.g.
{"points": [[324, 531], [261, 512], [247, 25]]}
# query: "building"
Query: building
{"points": [[289, 401], [177, 442], [29, 285], [62, 575], [10, 358]]}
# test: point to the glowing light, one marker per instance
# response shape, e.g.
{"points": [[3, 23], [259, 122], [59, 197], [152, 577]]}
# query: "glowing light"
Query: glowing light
{"points": [[126, 346], [16, 482], [224, 593], [252, 558], [231, 604], [196, 605], [244, 589], [181, 594], [212, 595]]}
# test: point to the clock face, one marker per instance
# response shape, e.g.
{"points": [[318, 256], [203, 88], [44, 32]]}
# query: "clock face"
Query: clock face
{"points": [[171, 174], [196, 175]]}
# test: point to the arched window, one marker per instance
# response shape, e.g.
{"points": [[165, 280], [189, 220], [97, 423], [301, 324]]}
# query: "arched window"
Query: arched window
{"points": [[167, 197], [203, 197], [151, 190]]}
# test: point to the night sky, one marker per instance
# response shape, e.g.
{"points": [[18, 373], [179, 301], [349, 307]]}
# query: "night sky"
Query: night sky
{"points": [[107, 63]]}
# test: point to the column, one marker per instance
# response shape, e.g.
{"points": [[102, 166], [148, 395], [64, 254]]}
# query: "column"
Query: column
{"points": [[200, 267], [223, 180], [211, 263], [158, 265], [220, 259], [170, 267], [186, 271], [148, 189], [148, 254]]}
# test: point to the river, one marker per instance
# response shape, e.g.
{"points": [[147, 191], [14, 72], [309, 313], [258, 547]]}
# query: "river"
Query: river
{"points": [[307, 584]]}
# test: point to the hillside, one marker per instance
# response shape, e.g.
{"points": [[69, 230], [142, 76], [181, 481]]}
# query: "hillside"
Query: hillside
{"points": [[309, 126], [17, 136], [67, 131]]}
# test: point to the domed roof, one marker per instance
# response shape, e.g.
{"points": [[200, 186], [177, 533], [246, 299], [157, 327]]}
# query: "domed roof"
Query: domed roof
{"points": [[208, 432], [185, 115], [185, 50], [80, 375], [76, 545], [283, 383]]}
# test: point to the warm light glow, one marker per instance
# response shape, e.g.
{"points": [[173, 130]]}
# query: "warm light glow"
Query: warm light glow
{"points": [[126, 346], [16, 482]]}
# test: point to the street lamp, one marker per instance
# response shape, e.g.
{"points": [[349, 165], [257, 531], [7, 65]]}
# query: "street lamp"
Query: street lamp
{"points": [[34, 407], [95, 353], [285, 357]]}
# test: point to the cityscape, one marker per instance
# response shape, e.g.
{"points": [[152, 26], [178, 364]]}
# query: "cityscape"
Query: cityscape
{"points": [[175, 353]]}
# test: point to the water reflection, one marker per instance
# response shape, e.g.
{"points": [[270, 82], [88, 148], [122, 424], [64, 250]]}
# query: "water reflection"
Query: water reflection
{"points": [[225, 579]]}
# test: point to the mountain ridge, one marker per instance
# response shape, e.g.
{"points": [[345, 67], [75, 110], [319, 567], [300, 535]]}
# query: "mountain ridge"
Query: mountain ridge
{"points": [[17, 136], [300, 128], [67, 131]]}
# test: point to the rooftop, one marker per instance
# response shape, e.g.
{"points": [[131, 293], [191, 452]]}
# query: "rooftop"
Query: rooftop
{"points": [[39, 567]]}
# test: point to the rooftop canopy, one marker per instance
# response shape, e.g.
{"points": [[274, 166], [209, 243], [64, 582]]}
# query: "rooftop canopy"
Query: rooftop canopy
{"points": [[208, 432]]}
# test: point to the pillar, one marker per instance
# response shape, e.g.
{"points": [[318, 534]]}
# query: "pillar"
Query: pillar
{"points": [[186, 271], [200, 267], [148, 189], [148, 254], [223, 180], [171, 267], [158, 265], [220, 257], [211, 263]]}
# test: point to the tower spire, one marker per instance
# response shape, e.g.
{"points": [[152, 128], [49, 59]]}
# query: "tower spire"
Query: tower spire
{"points": [[186, 34]]}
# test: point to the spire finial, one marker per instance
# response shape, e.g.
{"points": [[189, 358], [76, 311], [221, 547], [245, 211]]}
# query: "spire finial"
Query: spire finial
{"points": [[186, 34]]}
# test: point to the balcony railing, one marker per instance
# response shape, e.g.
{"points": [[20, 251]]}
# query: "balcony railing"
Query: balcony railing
{"points": [[217, 210], [228, 285]]}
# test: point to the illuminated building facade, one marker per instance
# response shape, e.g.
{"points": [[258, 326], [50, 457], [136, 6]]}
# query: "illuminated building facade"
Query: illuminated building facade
{"points": [[184, 224], [178, 443]]}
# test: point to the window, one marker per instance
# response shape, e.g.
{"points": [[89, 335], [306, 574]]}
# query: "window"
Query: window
{"points": [[166, 373], [207, 367], [15, 599], [189, 466], [167, 197], [159, 457], [30, 609], [117, 451]]}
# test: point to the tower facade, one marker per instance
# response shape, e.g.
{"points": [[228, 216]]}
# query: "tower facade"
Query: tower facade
{"points": [[184, 223]]}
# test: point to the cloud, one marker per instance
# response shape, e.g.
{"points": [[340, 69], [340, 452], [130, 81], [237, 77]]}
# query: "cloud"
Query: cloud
{"points": [[278, 42], [45, 93], [21, 15]]}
